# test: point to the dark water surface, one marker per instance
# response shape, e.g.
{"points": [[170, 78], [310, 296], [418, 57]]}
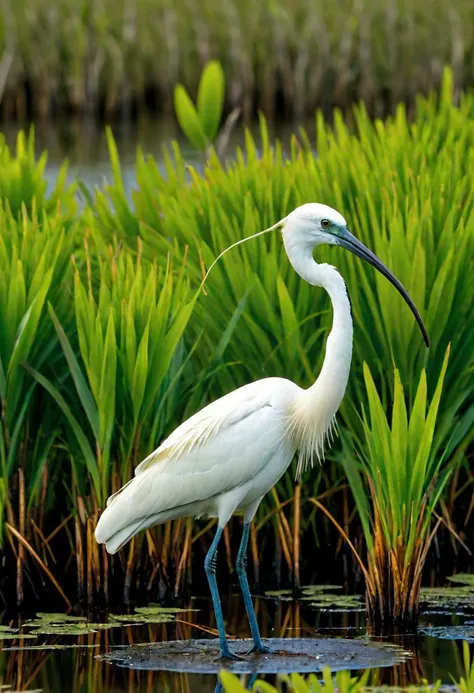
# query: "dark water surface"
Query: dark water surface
{"points": [[77, 669], [84, 144]]}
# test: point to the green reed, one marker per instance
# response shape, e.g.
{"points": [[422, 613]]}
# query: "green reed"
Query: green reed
{"points": [[105, 315], [108, 56]]}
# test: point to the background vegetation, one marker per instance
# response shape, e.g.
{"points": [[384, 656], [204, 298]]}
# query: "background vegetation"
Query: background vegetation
{"points": [[106, 345], [285, 56]]}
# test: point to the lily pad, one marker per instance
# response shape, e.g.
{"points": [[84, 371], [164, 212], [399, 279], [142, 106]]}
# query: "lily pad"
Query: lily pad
{"points": [[42, 617], [153, 613], [153, 609], [447, 598], [284, 595], [289, 654], [310, 590], [139, 619], [464, 632], [321, 597], [338, 602], [463, 578], [71, 628]]}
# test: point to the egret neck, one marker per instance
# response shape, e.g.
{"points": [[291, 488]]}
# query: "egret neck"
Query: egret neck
{"points": [[312, 415]]}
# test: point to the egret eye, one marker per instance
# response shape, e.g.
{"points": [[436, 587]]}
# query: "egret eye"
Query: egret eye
{"points": [[325, 223]]}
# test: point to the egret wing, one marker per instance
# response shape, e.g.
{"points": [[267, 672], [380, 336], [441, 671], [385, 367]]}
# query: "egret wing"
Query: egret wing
{"points": [[206, 424]]}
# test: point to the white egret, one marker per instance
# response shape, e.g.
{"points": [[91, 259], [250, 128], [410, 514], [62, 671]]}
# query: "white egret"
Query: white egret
{"points": [[230, 454]]}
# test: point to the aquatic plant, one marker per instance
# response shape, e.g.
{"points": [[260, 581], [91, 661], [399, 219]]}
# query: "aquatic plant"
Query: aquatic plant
{"points": [[123, 367], [397, 476], [124, 349], [35, 253], [407, 195], [120, 58]]}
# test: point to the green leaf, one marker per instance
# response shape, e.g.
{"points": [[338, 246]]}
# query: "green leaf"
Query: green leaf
{"points": [[210, 99], [82, 389], [140, 374], [188, 118], [82, 441]]}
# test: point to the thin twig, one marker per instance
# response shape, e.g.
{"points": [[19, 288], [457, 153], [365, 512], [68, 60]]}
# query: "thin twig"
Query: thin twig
{"points": [[31, 550]]}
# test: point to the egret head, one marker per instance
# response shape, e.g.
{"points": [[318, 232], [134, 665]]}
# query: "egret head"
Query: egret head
{"points": [[313, 224], [310, 225]]}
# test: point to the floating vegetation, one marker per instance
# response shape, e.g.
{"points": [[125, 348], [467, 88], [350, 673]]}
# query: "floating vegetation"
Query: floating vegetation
{"points": [[464, 632], [63, 624], [71, 628], [7, 633], [42, 617], [16, 636], [464, 579], [280, 595], [447, 599], [319, 598], [148, 614]]}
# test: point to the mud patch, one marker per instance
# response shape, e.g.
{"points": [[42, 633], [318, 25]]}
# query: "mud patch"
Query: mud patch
{"points": [[289, 654]]}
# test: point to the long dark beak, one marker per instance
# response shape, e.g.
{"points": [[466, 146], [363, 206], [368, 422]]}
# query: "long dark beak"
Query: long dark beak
{"points": [[350, 242]]}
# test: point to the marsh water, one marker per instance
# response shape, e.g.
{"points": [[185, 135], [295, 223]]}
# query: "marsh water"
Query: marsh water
{"points": [[54, 661], [84, 144]]}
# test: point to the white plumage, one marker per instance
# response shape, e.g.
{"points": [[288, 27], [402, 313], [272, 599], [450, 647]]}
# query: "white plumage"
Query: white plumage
{"points": [[230, 454], [189, 474]]}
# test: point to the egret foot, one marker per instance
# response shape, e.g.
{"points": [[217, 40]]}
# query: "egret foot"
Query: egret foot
{"points": [[227, 654], [263, 649]]}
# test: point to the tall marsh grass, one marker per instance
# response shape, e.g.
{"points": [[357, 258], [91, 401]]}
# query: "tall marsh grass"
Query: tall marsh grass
{"points": [[97, 56], [134, 349]]}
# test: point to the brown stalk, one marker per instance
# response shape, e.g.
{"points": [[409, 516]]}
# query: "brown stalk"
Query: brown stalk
{"points": [[446, 520], [254, 550], [95, 555], [21, 527], [30, 549], [283, 520], [271, 513], [128, 572], [153, 575], [296, 536], [206, 629], [79, 557], [105, 562], [184, 553], [59, 528], [43, 539], [204, 530], [228, 552], [44, 489], [165, 547], [89, 562], [283, 542], [350, 544]]}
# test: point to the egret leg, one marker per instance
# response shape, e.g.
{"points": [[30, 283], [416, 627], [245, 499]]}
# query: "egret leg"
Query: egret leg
{"points": [[241, 567], [210, 568]]}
